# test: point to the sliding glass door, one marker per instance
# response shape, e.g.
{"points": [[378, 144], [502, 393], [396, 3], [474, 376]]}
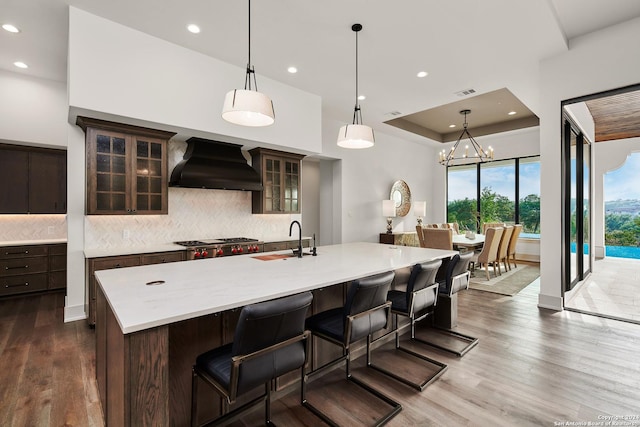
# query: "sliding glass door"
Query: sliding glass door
{"points": [[577, 210]]}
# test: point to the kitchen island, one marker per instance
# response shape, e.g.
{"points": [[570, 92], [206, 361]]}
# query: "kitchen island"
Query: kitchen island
{"points": [[152, 321]]}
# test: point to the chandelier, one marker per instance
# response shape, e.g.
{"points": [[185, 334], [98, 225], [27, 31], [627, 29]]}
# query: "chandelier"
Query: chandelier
{"points": [[472, 152]]}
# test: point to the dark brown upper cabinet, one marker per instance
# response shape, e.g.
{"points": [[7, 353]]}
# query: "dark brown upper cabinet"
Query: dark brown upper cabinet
{"points": [[32, 180], [126, 168], [281, 173]]}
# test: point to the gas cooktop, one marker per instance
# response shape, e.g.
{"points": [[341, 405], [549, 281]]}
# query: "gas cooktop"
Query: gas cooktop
{"points": [[221, 241]]}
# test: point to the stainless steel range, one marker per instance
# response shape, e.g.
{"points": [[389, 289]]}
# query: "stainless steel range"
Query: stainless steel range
{"points": [[213, 248]]}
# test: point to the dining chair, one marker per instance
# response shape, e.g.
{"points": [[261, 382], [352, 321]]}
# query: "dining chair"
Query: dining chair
{"points": [[435, 238], [504, 246], [453, 225], [491, 225], [270, 340], [511, 251], [489, 253]]}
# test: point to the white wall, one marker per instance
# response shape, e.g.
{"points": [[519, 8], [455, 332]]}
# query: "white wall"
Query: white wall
{"points": [[610, 65], [32, 111], [366, 177], [310, 205], [115, 70]]}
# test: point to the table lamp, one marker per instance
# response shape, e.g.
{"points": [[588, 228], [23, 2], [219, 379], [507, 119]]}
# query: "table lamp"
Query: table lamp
{"points": [[389, 210], [420, 210]]}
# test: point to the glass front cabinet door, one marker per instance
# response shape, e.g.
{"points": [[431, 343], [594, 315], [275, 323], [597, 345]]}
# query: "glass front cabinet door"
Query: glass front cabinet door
{"points": [[280, 173], [126, 168]]}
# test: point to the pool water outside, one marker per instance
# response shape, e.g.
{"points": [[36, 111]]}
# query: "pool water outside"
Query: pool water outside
{"points": [[615, 251]]}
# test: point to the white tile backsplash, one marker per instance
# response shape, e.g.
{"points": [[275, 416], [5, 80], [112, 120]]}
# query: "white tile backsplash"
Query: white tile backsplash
{"points": [[32, 227], [193, 214]]}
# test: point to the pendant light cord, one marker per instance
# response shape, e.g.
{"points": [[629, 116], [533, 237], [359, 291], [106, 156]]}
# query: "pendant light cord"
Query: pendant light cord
{"points": [[356, 69], [250, 69], [357, 113]]}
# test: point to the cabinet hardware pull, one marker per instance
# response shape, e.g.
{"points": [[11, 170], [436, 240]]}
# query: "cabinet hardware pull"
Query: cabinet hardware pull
{"points": [[16, 253], [16, 285], [118, 266], [19, 266]]}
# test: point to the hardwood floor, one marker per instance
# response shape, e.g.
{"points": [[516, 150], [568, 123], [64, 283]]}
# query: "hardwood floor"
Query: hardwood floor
{"points": [[47, 374], [531, 367]]}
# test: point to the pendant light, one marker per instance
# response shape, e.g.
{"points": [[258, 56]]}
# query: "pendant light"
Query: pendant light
{"points": [[248, 107], [356, 135]]}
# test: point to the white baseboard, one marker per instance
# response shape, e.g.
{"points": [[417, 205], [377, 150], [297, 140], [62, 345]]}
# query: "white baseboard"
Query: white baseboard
{"points": [[550, 302], [73, 313]]}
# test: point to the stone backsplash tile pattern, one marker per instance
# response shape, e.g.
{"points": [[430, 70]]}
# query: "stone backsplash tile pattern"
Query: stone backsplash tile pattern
{"points": [[193, 214], [32, 227]]}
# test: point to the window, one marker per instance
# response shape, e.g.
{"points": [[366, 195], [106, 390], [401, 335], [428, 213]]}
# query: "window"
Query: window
{"points": [[462, 195], [529, 195], [498, 191], [505, 191]]}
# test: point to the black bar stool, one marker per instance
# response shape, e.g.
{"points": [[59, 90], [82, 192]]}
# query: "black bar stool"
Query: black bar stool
{"points": [[416, 303], [455, 279], [366, 311], [270, 340]]}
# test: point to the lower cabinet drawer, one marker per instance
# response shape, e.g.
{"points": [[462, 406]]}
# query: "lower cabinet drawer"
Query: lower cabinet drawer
{"points": [[163, 258], [21, 284], [276, 246], [22, 251], [116, 262], [20, 266]]}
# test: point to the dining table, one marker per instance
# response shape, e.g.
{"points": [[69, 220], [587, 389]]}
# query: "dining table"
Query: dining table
{"points": [[461, 241]]}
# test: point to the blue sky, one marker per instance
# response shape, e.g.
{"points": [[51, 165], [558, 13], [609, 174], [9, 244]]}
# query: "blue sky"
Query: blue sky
{"points": [[622, 183], [501, 179]]}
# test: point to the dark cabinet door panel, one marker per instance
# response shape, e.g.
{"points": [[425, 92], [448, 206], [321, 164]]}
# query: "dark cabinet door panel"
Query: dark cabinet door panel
{"points": [[47, 183], [14, 181], [32, 180]]}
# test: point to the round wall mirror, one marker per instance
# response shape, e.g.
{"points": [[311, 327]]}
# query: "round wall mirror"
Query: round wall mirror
{"points": [[401, 195]]}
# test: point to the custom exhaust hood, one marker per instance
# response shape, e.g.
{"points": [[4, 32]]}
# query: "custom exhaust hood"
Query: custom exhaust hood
{"points": [[215, 165]]}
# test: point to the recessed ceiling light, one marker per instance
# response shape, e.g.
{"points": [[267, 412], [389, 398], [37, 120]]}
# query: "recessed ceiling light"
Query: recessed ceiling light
{"points": [[20, 64], [422, 74], [512, 113], [11, 28], [362, 97], [452, 126], [292, 70], [193, 28]]}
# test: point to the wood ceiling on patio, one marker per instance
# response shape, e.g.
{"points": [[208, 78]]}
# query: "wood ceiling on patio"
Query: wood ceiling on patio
{"points": [[616, 116]]}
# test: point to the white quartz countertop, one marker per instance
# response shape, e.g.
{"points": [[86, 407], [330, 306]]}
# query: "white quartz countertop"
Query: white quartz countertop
{"points": [[200, 287], [32, 242]]}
